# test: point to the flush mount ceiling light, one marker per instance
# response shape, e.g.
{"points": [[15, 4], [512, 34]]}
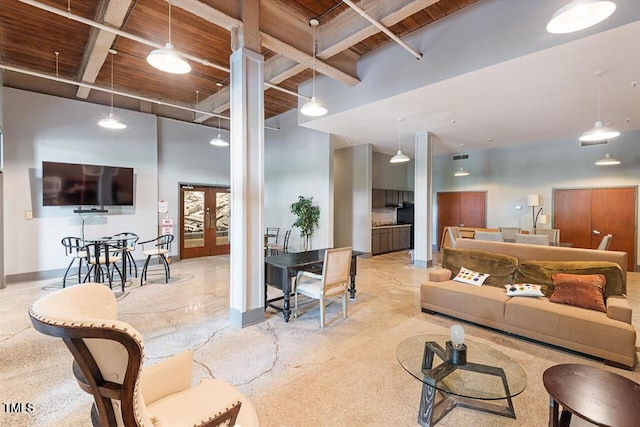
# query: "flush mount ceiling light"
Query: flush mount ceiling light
{"points": [[218, 141], [461, 172], [599, 132], [607, 160], [400, 157], [167, 59], [580, 14], [313, 108], [111, 122]]}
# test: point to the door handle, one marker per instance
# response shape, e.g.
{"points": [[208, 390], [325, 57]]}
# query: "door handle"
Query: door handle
{"points": [[461, 225], [595, 232]]}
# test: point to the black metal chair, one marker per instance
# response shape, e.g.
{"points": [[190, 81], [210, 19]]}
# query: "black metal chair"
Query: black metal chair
{"points": [[102, 258], [128, 240], [74, 249], [161, 247]]}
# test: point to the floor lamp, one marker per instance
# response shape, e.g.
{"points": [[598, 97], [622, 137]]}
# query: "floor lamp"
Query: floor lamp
{"points": [[533, 201]]}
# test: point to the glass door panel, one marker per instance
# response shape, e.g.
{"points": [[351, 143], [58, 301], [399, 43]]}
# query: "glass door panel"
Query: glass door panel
{"points": [[193, 214], [205, 221]]}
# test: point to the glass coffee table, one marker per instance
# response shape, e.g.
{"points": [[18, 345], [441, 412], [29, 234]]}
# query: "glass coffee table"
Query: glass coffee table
{"points": [[488, 375]]}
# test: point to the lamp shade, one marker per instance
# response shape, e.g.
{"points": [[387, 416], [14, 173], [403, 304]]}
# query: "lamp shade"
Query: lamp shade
{"points": [[533, 200], [111, 123], [580, 14], [607, 160], [400, 157], [542, 219], [313, 108], [168, 60], [599, 132], [218, 141]]}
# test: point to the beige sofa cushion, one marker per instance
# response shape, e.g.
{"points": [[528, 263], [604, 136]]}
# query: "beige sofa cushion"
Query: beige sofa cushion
{"points": [[540, 273], [501, 267]]}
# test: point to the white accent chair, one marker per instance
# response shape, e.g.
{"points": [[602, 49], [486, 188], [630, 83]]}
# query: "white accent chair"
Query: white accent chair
{"points": [[509, 233], [553, 233], [532, 239], [605, 242], [494, 236], [333, 281], [108, 363]]}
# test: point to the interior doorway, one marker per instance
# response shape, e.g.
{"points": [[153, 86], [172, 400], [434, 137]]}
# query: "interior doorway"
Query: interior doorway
{"points": [[585, 215], [204, 219], [461, 209]]}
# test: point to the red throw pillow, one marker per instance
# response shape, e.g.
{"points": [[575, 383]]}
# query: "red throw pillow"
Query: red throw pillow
{"points": [[580, 290]]}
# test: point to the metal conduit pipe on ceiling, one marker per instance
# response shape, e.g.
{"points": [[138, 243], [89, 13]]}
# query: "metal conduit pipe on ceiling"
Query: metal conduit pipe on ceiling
{"points": [[141, 40]]}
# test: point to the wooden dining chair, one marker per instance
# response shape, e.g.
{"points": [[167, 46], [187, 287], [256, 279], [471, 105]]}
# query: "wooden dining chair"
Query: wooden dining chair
{"points": [[334, 280]]}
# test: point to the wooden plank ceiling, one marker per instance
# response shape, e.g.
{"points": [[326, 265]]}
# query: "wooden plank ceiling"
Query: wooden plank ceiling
{"points": [[30, 38]]}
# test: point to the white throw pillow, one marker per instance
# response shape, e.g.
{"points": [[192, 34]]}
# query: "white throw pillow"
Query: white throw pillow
{"points": [[471, 277], [523, 290]]}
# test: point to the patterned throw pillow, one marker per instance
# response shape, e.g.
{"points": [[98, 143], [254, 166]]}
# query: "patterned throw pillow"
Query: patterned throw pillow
{"points": [[471, 277], [524, 290]]}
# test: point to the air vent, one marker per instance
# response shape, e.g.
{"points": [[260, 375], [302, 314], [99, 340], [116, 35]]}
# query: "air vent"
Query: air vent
{"points": [[460, 157], [590, 143]]}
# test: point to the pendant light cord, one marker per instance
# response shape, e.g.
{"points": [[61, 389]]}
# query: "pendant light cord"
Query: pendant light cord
{"points": [[599, 96], [111, 82], [314, 62], [169, 21]]}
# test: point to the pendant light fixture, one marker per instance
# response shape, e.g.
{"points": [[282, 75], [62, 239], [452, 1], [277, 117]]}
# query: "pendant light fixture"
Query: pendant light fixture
{"points": [[218, 141], [461, 172], [313, 108], [607, 160], [400, 157], [580, 14], [111, 122], [599, 132], [167, 59]]}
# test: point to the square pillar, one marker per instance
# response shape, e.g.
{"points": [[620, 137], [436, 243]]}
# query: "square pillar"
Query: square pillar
{"points": [[247, 188]]}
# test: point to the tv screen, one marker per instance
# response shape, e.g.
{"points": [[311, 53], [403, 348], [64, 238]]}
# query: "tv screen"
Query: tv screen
{"points": [[72, 184]]}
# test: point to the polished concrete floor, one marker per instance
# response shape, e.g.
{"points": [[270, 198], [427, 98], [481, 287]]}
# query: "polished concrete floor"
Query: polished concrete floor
{"points": [[295, 373]]}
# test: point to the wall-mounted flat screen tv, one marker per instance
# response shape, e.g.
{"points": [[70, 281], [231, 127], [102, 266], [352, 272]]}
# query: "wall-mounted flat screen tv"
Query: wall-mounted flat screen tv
{"points": [[72, 184]]}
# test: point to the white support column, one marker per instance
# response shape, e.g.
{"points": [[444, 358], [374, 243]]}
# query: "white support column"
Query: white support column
{"points": [[247, 188], [423, 201]]}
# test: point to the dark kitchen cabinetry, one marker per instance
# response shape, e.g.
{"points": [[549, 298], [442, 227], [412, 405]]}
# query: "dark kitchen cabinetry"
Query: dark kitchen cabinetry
{"points": [[390, 239], [381, 198]]}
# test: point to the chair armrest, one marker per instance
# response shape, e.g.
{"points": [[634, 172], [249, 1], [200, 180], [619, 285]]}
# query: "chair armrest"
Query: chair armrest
{"points": [[439, 275], [618, 308], [169, 376]]}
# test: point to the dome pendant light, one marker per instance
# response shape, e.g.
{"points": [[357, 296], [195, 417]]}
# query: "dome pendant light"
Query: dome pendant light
{"points": [[218, 141], [313, 108], [167, 59], [400, 157], [599, 132], [111, 122], [580, 14], [607, 160]]}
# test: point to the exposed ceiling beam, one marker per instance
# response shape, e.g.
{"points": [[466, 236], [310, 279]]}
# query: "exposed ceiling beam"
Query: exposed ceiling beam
{"points": [[111, 12], [349, 28], [208, 13]]}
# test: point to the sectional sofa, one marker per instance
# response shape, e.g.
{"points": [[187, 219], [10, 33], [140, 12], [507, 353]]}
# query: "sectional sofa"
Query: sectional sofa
{"points": [[607, 335]]}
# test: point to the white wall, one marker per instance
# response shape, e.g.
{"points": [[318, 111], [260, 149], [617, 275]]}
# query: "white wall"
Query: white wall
{"points": [[509, 174], [186, 157], [390, 176], [298, 162], [41, 127]]}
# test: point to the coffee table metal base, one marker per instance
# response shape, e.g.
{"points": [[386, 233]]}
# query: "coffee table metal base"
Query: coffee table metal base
{"points": [[431, 412]]}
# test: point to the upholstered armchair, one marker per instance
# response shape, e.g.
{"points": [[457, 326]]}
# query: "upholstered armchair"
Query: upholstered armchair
{"points": [[108, 363]]}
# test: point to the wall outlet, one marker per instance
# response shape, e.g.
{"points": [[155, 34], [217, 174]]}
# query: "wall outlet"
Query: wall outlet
{"points": [[28, 215]]}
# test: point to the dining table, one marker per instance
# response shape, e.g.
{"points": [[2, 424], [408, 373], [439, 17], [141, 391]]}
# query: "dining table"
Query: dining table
{"points": [[281, 269]]}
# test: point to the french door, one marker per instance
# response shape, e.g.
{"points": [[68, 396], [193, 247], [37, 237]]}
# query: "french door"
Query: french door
{"points": [[585, 215], [204, 219]]}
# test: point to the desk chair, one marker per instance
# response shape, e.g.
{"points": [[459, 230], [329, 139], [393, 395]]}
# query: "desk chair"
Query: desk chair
{"points": [[109, 364], [333, 281], [160, 247], [73, 249]]}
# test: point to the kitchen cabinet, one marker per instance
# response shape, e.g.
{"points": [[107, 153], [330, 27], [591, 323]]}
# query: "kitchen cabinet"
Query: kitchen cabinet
{"points": [[378, 198], [390, 238], [381, 198]]}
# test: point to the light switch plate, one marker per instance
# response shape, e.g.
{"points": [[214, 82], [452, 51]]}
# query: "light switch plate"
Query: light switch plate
{"points": [[28, 215]]}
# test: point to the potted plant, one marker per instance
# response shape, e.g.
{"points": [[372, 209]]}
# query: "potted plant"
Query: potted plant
{"points": [[308, 216]]}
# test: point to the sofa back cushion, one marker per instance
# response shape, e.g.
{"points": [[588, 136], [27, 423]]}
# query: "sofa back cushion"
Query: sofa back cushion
{"points": [[541, 272], [500, 267]]}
